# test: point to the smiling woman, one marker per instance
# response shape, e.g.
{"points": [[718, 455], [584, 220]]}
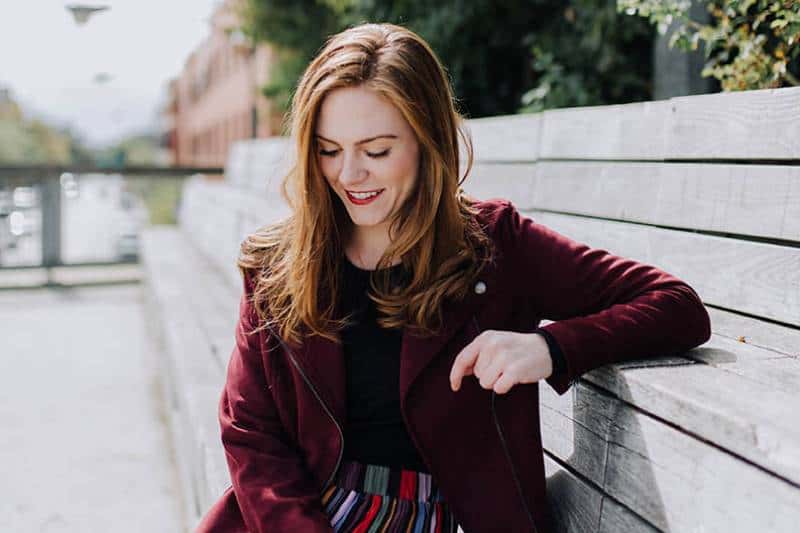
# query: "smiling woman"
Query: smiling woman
{"points": [[382, 322]]}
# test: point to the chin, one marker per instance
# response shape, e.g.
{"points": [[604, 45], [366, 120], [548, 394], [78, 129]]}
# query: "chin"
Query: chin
{"points": [[366, 222]]}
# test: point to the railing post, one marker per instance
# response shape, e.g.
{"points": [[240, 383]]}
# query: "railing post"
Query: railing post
{"points": [[51, 223]]}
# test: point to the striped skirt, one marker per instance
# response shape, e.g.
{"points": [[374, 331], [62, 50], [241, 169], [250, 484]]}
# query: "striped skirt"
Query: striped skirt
{"points": [[366, 498]]}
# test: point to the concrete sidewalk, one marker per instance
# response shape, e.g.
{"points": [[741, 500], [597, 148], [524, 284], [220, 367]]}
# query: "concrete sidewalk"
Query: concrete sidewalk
{"points": [[84, 445]]}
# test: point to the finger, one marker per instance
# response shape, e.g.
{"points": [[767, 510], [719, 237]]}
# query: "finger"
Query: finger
{"points": [[489, 367], [464, 363], [504, 383]]}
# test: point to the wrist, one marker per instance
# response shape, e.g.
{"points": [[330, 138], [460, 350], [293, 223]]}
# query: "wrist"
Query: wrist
{"points": [[557, 358], [541, 346]]}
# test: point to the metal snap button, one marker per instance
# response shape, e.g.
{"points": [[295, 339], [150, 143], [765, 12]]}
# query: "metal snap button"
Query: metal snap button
{"points": [[480, 287]]}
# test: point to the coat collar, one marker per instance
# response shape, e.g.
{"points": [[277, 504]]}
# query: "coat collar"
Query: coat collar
{"points": [[323, 360]]}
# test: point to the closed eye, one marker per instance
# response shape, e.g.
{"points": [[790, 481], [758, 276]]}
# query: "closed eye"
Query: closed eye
{"points": [[332, 153]]}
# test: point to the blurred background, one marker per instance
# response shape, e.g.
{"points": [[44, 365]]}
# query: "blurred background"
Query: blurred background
{"points": [[107, 108], [97, 90]]}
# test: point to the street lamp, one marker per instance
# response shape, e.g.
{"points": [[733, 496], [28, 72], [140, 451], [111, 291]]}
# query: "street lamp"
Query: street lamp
{"points": [[81, 13]]}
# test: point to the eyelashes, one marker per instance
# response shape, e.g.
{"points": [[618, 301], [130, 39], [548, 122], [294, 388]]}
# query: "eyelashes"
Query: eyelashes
{"points": [[332, 153]]}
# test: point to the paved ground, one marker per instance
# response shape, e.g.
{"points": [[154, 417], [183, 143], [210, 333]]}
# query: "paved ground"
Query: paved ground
{"points": [[83, 441]]}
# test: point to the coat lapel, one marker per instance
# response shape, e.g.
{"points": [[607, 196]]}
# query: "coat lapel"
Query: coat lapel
{"points": [[416, 352], [323, 360]]}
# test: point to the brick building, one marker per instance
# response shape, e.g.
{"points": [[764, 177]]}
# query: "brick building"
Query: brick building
{"points": [[217, 99]]}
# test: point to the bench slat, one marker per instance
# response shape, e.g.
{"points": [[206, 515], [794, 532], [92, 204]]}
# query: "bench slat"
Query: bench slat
{"points": [[774, 337], [753, 200], [752, 277], [658, 471], [763, 124], [611, 132], [747, 125], [503, 138]]}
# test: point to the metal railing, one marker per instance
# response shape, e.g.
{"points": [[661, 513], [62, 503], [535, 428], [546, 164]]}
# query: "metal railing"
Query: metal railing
{"points": [[82, 216]]}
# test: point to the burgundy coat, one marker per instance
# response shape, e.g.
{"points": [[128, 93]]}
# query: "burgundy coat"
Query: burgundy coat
{"points": [[282, 409]]}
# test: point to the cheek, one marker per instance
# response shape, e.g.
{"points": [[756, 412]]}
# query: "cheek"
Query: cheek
{"points": [[328, 169], [409, 175]]}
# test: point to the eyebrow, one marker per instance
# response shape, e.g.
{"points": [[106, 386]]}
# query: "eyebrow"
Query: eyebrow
{"points": [[363, 141]]}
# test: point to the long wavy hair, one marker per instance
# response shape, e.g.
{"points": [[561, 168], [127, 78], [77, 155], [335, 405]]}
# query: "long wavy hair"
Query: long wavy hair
{"points": [[296, 264]]}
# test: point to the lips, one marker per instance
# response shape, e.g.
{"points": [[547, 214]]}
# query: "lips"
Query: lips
{"points": [[363, 201]]}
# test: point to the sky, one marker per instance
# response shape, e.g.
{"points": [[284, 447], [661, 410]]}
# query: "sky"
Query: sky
{"points": [[50, 63]]}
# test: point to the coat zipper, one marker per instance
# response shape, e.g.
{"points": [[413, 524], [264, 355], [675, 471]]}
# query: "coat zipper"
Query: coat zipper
{"points": [[506, 450], [324, 406]]}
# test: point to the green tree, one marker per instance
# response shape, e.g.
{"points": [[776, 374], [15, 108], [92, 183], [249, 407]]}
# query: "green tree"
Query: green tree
{"points": [[502, 56], [588, 54], [749, 44], [30, 141]]}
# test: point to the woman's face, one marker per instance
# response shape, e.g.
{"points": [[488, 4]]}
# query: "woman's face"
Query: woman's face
{"points": [[366, 146]]}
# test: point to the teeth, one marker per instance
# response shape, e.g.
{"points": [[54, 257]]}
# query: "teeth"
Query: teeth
{"points": [[363, 195]]}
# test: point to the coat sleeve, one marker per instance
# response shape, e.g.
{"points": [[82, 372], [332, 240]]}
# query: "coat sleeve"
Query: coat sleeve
{"points": [[273, 488], [606, 309]]}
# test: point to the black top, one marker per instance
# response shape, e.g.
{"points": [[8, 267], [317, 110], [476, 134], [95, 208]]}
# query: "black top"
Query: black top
{"points": [[375, 432]]}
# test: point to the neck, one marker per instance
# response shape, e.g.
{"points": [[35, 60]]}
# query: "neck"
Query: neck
{"points": [[367, 245]]}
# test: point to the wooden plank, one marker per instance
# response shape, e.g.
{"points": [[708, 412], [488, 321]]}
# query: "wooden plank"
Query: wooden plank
{"points": [[763, 124], [782, 373], [615, 518], [259, 164], [504, 138], [767, 335], [180, 444], [216, 217], [588, 424], [733, 412], [679, 483], [612, 132], [212, 471], [742, 425], [500, 181], [197, 377], [756, 200], [576, 505], [579, 506], [665, 475], [744, 125], [751, 277]]}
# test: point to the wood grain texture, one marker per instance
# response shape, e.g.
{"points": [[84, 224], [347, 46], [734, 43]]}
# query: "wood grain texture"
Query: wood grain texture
{"points": [[665, 475], [762, 124], [752, 200], [679, 483], [500, 181], [719, 407], [504, 138], [576, 505], [751, 277], [615, 518], [626, 131], [774, 337]]}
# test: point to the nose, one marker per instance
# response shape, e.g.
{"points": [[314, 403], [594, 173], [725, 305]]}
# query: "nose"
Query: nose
{"points": [[352, 173]]}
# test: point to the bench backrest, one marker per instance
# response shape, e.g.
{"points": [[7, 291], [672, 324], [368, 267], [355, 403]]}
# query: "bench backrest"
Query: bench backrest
{"points": [[708, 188]]}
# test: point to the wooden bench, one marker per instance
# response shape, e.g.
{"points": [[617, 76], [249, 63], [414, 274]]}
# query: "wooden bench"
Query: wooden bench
{"points": [[706, 187]]}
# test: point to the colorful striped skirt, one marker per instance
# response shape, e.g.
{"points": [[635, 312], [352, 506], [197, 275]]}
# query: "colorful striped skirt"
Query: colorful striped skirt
{"points": [[366, 498]]}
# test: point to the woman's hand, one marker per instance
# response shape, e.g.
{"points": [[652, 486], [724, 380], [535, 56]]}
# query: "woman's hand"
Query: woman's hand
{"points": [[501, 359]]}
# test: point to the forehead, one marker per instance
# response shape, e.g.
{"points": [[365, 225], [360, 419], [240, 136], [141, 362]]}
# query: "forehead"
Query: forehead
{"points": [[350, 114]]}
